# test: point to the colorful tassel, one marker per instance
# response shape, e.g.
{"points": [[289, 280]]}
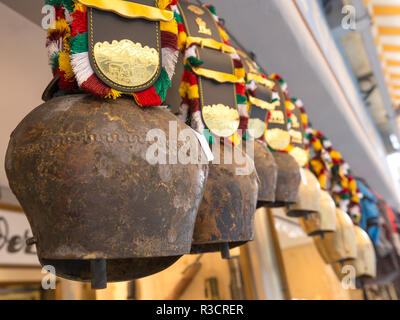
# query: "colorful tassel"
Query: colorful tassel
{"points": [[71, 29]]}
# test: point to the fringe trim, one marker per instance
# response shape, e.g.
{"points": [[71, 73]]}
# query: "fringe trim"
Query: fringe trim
{"points": [[344, 190], [189, 86], [170, 58], [81, 66], [183, 112], [75, 26], [58, 48], [197, 122]]}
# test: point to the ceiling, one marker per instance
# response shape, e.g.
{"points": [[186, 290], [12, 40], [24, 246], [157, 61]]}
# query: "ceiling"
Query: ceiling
{"points": [[386, 27]]}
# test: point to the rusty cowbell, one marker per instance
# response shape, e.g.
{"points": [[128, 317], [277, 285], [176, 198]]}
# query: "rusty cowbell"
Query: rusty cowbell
{"points": [[260, 97], [324, 220], [309, 196], [100, 207], [365, 263], [209, 102], [309, 190], [267, 171], [278, 137], [339, 246], [226, 215]]}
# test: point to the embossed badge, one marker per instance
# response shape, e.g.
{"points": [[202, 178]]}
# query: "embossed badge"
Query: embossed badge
{"points": [[127, 63], [203, 27], [277, 138], [222, 120], [196, 10], [297, 133]]}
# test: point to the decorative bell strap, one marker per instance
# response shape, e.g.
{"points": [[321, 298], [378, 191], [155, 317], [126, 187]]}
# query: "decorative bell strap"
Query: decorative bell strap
{"points": [[268, 118], [214, 78], [297, 147], [262, 100], [115, 47], [334, 173], [277, 135], [124, 60]]}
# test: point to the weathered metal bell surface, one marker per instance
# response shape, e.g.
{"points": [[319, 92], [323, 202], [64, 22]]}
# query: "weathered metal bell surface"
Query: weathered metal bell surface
{"points": [[365, 263], [267, 171], [287, 186], [116, 270], [309, 196], [339, 246], [226, 215], [323, 221], [78, 165]]}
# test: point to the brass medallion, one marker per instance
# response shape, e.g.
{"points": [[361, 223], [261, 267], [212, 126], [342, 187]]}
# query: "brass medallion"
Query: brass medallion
{"points": [[277, 116], [256, 127], [295, 123], [300, 155], [297, 137], [277, 138], [126, 63], [221, 120], [196, 10], [203, 27]]}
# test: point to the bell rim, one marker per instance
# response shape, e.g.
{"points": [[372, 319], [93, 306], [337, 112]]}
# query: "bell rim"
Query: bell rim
{"points": [[212, 247], [168, 262], [298, 213]]}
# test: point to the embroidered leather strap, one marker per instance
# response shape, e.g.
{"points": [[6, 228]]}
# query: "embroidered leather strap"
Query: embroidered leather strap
{"points": [[277, 134], [297, 149], [124, 53], [216, 75]]}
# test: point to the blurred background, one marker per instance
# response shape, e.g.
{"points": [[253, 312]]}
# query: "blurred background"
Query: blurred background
{"points": [[341, 57]]}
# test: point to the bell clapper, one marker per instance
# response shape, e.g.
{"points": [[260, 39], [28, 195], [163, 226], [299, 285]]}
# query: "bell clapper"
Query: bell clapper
{"points": [[98, 271], [225, 254], [322, 235]]}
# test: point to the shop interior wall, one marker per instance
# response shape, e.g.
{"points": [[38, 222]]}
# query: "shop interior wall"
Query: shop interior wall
{"points": [[24, 73]]}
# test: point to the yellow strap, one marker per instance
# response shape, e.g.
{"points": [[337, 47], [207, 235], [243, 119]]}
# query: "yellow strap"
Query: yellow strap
{"points": [[129, 9], [209, 43], [265, 82], [216, 75], [263, 104]]}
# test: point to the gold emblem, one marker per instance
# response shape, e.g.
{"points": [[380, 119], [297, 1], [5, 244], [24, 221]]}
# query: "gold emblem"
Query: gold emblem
{"points": [[278, 139], [300, 155], [277, 116], [203, 26], [295, 121], [251, 67], [222, 121], [261, 80], [196, 10], [256, 127], [297, 137], [264, 104], [127, 63]]}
